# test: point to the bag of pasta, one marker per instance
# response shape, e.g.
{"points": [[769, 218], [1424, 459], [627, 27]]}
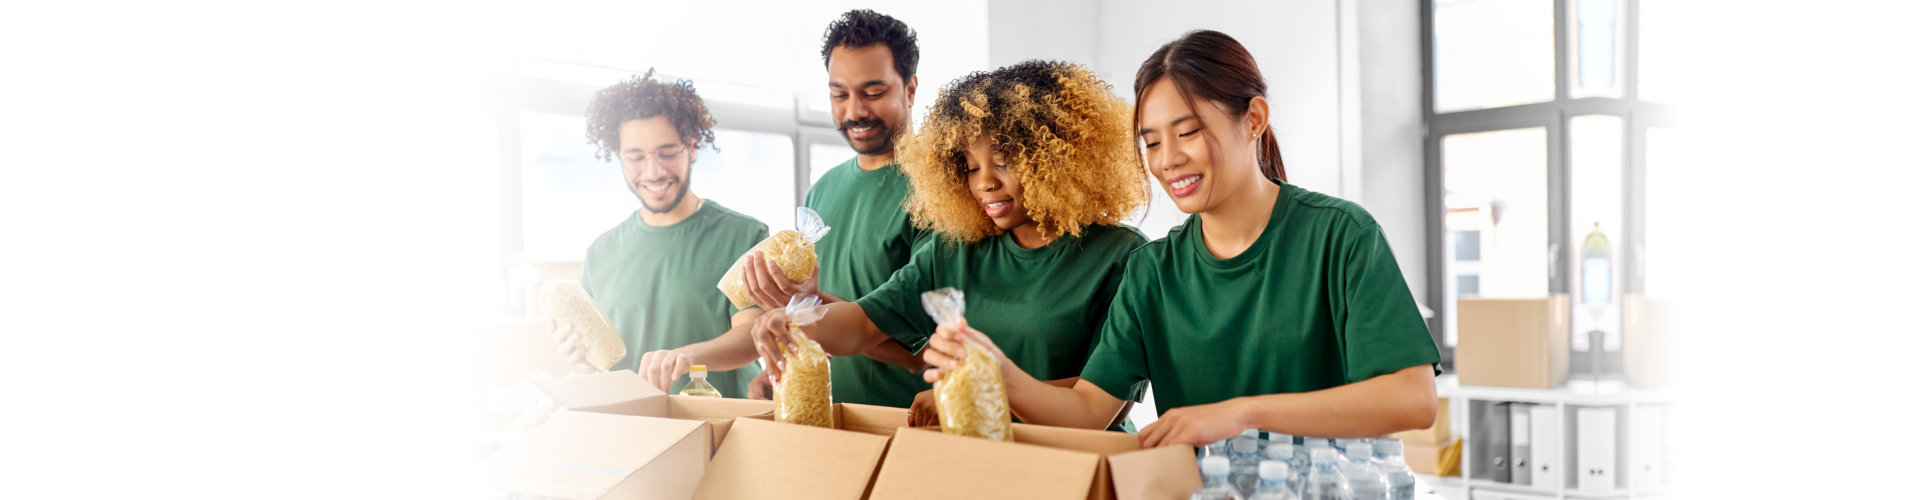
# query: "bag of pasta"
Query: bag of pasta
{"points": [[971, 398], [804, 393], [791, 249], [564, 300]]}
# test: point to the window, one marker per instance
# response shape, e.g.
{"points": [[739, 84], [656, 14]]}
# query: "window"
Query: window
{"points": [[1536, 143]]}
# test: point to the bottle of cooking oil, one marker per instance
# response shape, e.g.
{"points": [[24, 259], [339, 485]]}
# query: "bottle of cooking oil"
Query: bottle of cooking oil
{"points": [[699, 386]]}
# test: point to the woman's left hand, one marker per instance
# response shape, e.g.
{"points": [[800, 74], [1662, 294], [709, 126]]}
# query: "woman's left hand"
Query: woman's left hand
{"points": [[1196, 425], [923, 413]]}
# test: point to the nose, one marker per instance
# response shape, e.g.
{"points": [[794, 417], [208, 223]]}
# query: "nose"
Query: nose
{"points": [[856, 109], [1167, 159], [986, 179]]}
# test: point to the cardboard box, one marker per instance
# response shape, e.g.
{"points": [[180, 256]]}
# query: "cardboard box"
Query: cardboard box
{"points": [[1440, 432], [586, 455], [1432, 459], [762, 458], [1646, 341], [1513, 342], [626, 393], [504, 354], [1039, 463]]}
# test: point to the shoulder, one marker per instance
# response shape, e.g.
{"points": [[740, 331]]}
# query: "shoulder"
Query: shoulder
{"points": [[1340, 213], [725, 222], [1120, 238], [609, 240]]}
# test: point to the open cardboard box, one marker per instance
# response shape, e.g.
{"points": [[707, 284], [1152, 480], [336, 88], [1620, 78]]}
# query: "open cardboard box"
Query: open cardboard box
{"points": [[1039, 463], [619, 438], [762, 458], [626, 393]]}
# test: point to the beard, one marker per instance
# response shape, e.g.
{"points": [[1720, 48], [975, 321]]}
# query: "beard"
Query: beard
{"points": [[886, 134], [678, 195]]}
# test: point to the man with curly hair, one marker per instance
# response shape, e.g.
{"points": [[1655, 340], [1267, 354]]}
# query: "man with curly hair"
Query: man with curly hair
{"points": [[654, 273], [1025, 174]]}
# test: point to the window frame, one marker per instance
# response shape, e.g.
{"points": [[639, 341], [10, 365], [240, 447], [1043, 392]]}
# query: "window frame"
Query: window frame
{"points": [[1636, 116]]}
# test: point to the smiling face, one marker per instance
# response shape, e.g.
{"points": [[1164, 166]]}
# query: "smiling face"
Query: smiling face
{"points": [[994, 186], [871, 103], [656, 161], [1198, 153]]}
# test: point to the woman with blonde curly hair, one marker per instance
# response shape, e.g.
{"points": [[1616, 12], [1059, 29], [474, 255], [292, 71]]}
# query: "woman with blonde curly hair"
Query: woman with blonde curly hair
{"points": [[1025, 173]]}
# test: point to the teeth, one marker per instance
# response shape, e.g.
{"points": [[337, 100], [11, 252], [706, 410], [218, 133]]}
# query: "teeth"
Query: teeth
{"points": [[1183, 183], [862, 129], [998, 204]]}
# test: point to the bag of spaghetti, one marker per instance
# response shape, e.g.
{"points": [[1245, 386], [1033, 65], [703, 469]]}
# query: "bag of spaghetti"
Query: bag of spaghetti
{"points": [[804, 393], [971, 398], [791, 249]]}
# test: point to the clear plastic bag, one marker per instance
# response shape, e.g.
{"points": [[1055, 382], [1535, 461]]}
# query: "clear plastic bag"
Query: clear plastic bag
{"points": [[804, 394], [791, 249], [564, 300], [971, 398]]}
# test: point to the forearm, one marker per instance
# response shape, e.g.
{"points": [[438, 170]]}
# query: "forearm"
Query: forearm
{"points": [[1398, 401], [731, 350], [845, 330], [893, 354], [1069, 402]]}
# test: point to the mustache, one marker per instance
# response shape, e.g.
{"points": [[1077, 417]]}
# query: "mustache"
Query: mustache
{"points": [[869, 122]]}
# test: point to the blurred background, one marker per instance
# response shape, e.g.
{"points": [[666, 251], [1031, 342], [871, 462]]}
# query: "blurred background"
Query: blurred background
{"points": [[240, 231]]}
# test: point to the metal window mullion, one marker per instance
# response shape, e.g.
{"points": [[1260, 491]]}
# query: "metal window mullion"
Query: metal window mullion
{"points": [[1436, 238], [1562, 72], [1559, 186], [1630, 59], [1635, 187]]}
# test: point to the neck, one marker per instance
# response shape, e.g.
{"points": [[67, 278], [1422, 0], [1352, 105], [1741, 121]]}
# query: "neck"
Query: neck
{"points": [[874, 162], [681, 212], [1028, 236], [1237, 222]]}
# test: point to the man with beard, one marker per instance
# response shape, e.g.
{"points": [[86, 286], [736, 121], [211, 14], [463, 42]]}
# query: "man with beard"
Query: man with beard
{"points": [[870, 59], [654, 273]]}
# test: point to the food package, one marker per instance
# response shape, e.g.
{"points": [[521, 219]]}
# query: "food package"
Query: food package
{"points": [[804, 393], [564, 300], [971, 398], [791, 249]]}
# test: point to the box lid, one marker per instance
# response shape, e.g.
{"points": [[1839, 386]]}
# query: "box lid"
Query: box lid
{"points": [[620, 392], [583, 454], [1154, 473], [927, 464], [766, 459]]}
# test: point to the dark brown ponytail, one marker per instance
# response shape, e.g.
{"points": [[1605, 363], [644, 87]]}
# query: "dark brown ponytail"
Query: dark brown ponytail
{"points": [[1213, 66]]}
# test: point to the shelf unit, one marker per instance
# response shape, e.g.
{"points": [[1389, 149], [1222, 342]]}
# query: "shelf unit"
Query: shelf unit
{"points": [[1640, 464]]}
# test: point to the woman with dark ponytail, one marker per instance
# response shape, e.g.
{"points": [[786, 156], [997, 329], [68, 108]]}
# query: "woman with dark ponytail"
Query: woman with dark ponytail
{"points": [[1273, 307]]}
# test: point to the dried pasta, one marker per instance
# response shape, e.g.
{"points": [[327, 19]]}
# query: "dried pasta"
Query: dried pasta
{"points": [[564, 300]]}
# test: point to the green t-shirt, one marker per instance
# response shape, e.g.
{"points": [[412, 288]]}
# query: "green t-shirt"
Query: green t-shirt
{"points": [[870, 238], [657, 284], [1043, 307], [1316, 302]]}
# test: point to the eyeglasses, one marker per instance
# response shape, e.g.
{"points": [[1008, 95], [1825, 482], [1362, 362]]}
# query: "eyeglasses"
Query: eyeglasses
{"points": [[638, 159]]}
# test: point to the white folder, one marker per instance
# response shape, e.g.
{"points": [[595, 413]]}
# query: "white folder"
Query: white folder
{"points": [[1596, 443], [1549, 458], [1522, 452], [1649, 452]]}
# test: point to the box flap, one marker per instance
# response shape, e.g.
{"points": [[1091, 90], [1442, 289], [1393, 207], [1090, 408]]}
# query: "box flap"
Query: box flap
{"points": [[1154, 473], [618, 392], [764, 459], [717, 412], [584, 454], [882, 420], [1087, 440], [925, 464]]}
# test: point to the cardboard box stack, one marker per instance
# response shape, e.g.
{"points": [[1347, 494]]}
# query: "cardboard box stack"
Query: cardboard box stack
{"points": [[1424, 447]]}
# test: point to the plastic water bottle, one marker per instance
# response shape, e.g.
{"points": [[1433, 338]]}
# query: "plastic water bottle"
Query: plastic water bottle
{"points": [[1214, 482], [1325, 481], [1294, 456], [1244, 459], [698, 386], [1274, 475], [1388, 456], [1363, 480]]}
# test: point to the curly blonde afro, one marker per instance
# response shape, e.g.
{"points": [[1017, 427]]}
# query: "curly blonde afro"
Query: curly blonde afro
{"points": [[1061, 130]]}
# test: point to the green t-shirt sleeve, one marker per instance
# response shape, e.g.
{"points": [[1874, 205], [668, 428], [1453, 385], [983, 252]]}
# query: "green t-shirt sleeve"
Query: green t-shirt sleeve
{"points": [[895, 307], [1380, 328], [1118, 363]]}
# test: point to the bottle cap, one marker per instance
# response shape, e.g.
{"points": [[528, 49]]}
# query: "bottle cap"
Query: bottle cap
{"points": [[1214, 466], [1274, 470], [1359, 450], [1385, 447], [1246, 446], [1279, 451]]}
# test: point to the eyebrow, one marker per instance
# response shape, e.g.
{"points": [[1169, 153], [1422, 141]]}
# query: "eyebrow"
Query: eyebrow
{"points": [[1176, 121], [869, 83]]}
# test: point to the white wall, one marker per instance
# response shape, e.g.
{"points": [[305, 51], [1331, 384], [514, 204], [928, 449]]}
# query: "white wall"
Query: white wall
{"points": [[1392, 166], [1064, 30]]}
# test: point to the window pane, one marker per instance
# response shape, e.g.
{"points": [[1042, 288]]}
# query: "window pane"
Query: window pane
{"points": [[1660, 48], [1496, 195], [567, 198], [1595, 212], [1597, 46], [824, 157], [752, 173], [1490, 53], [1661, 166]]}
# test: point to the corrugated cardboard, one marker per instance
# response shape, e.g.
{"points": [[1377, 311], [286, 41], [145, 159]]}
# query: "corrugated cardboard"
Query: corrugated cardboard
{"points": [[586, 455], [1430, 458], [506, 353], [1440, 432], [1039, 463], [626, 393], [1513, 342], [766, 459]]}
